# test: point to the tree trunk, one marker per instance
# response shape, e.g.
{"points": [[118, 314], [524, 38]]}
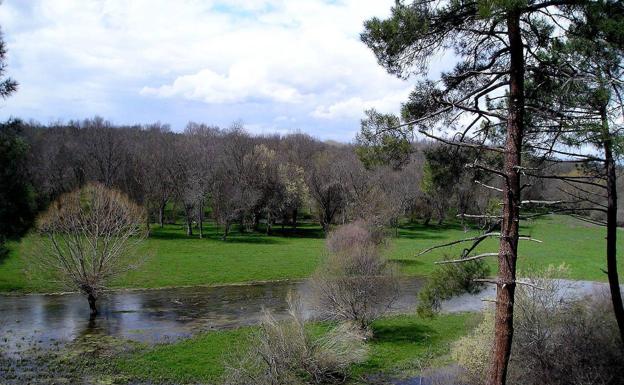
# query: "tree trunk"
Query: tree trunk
{"points": [[226, 230], [294, 219], [92, 300], [189, 222], [200, 220], [255, 221], [174, 213], [161, 215], [508, 249], [268, 224], [612, 273]]}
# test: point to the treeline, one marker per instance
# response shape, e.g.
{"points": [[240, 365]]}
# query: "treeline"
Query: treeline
{"points": [[235, 178]]}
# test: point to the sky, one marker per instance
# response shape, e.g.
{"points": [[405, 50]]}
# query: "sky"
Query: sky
{"points": [[276, 66]]}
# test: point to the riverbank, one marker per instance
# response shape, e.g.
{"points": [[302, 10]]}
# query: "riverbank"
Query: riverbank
{"points": [[188, 336], [402, 345], [175, 260]]}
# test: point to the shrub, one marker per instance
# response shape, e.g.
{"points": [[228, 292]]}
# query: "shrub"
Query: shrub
{"points": [[450, 280], [557, 341], [355, 284], [353, 236], [287, 352]]}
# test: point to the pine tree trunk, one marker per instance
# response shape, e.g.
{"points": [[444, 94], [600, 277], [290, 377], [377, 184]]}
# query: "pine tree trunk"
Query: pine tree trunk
{"points": [[612, 273], [508, 249]]}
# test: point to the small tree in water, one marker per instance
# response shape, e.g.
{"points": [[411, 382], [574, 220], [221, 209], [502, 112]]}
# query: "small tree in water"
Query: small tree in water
{"points": [[89, 237]]}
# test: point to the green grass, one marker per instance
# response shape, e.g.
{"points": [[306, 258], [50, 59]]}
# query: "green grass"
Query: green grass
{"points": [[404, 344], [200, 358], [581, 246], [176, 260], [399, 343]]}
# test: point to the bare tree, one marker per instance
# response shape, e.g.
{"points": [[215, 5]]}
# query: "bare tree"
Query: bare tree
{"points": [[89, 237], [355, 284], [157, 183], [326, 188]]}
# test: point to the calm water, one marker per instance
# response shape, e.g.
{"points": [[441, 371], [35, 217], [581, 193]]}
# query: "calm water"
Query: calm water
{"points": [[152, 315]]}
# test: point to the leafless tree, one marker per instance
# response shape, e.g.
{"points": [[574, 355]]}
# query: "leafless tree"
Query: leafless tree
{"points": [[89, 236], [355, 284], [156, 181], [326, 187]]}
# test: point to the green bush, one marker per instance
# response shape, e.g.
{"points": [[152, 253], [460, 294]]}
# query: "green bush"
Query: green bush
{"points": [[450, 280]]}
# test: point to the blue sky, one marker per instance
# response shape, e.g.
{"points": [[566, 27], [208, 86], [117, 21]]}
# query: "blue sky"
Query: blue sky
{"points": [[277, 66]]}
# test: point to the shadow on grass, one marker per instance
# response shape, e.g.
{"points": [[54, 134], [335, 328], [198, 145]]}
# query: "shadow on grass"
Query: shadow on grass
{"points": [[250, 238], [404, 262], [410, 332], [299, 232], [178, 232], [417, 230]]}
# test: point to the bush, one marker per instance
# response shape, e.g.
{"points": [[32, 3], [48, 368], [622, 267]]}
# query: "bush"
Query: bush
{"points": [[450, 280], [354, 235], [355, 284], [287, 352], [557, 341]]}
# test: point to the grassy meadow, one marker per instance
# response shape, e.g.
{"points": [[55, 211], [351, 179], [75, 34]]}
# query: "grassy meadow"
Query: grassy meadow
{"points": [[173, 259], [401, 344]]}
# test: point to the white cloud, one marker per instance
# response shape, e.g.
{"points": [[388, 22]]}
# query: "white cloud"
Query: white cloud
{"points": [[301, 59], [242, 84], [352, 108]]}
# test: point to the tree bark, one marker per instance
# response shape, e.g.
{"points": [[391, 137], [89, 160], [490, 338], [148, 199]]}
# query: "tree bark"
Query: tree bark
{"points": [[508, 249], [92, 304], [189, 222], [294, 219], [612, 273], [161, 215], [200, 220], [226, 230]]}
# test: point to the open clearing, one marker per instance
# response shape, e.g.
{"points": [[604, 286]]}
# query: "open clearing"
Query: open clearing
{"points": [[177, 260]]}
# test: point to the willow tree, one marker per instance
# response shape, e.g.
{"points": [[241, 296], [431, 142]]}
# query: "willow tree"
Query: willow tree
{"points": [[89, 236], [480, 103]]}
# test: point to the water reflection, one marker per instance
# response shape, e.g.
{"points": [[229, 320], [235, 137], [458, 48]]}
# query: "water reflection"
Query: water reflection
{"points": [[152, 315]]}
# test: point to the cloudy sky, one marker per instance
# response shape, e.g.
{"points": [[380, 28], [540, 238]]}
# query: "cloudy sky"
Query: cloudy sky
{"points": [[277, 66]]}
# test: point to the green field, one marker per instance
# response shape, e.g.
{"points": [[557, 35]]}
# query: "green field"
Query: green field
{"points": [[177, 260], [399, 346]]}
